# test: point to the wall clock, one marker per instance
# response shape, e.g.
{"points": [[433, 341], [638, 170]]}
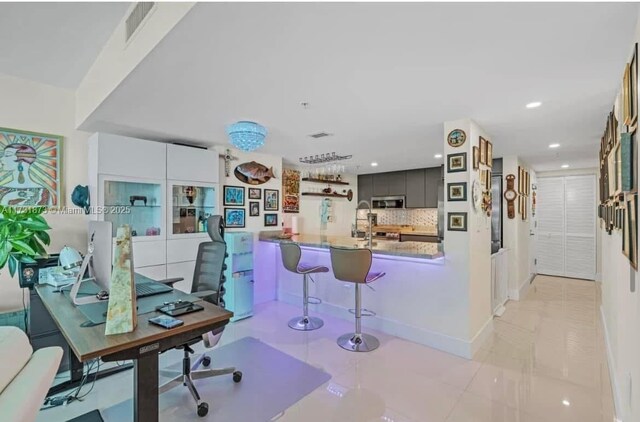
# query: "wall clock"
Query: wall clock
{"points": [[456, 138], [510, 195]]}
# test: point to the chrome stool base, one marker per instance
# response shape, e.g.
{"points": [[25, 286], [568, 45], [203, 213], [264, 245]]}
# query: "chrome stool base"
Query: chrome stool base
{"points": [[305, 323], [358, 342]]}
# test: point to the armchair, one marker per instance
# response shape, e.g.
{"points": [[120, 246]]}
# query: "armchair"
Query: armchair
{"points": [[25, 376]]}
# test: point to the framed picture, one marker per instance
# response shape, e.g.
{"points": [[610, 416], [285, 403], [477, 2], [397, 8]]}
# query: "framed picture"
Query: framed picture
{"points": [[524, 208], [633, 69], [254, 208], [476, 158], [483, 150], [234, 217], [456, 138], [631, 228], [233, 195], [626, 96], [457, 191], [519, 180], [271, 201], [271, 220], [255, 193], [32, 169], [489, 154], [613, 173], [457, 162], [457, 221]]}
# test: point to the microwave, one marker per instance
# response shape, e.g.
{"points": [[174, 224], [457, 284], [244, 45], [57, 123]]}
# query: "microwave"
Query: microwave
{"points": [[382, 202]]}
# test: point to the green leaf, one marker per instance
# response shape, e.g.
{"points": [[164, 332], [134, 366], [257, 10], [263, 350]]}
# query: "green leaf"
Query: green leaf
{"points": [[5, 248], [44, 237], [26, 259], [21, 246], [35, 225], [13, 265]]}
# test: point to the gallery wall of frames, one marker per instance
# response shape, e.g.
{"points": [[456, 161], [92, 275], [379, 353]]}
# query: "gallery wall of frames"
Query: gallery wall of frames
{"points": [[618, 178]]}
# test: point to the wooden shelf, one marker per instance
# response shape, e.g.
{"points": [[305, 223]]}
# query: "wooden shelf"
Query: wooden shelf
{"points": [[328, 195], [329, 182]]}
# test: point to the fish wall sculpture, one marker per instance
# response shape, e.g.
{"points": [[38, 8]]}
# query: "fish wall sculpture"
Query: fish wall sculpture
{"points": [[253, 173]]}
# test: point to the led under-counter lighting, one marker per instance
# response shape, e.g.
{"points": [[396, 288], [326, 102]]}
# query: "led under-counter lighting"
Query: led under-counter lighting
{"points": [[437, 156], [374, 164], [554, 145], [565, 166], [534, 104]]}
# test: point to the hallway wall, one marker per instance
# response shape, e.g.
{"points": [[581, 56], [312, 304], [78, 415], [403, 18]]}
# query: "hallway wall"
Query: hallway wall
{"points": [[621, 316]]}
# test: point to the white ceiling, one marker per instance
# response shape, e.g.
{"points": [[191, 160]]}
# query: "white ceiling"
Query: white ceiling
{"points": [[54, 43], [383, 78]]}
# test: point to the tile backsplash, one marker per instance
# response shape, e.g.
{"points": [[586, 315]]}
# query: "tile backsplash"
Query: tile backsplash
{"points": [[422, 217]]}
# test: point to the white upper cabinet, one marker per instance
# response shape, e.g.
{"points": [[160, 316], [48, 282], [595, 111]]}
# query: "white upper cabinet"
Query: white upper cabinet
{"points": [[125, 156], [193, 164]]}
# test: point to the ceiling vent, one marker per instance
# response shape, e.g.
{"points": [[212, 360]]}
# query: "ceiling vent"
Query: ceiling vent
{"points": [[136, 17], [319, 135]]}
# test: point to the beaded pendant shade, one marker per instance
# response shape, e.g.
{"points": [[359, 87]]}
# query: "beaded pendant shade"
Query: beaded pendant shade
{"points": [[246, 136]]}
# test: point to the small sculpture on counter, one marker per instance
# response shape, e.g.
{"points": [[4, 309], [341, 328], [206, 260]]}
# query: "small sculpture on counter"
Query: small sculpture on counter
{"points": [[134, 198], [191, 193]]}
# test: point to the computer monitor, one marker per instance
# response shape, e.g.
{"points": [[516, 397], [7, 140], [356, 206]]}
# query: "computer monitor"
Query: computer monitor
{"points": [[100, 247], [97, 260]]}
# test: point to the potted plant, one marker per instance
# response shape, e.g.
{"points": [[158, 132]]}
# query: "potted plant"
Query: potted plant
{"points": [[23, 236]]}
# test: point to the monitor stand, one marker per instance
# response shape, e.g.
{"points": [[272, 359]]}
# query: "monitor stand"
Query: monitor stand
{"points": [[79, 279]]}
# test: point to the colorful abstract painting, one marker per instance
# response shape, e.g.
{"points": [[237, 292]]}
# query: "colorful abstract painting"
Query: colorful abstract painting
{"points": [[30, 169]]}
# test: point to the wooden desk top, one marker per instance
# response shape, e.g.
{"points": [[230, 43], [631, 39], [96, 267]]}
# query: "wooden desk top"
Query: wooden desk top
{"points": [[90, 342]]}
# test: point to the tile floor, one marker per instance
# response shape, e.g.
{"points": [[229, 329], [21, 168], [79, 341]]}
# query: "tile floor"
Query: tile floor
{"points": [[544, 362]]}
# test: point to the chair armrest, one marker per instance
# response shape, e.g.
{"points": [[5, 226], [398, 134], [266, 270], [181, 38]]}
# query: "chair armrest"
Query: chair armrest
{"points": [[204, 293], [171, 281]]}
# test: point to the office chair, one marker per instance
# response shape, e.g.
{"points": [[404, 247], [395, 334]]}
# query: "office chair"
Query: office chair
{"points": [[208, 284]]}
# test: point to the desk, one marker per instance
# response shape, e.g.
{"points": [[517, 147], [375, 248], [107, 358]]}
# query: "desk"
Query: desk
{"points": [[142, 345]]}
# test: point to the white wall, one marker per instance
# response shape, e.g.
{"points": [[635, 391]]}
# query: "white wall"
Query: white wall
{"points": [[265, 282], [343, 211], [515, 232], [469, 253], [621, 315], [41, 108]]}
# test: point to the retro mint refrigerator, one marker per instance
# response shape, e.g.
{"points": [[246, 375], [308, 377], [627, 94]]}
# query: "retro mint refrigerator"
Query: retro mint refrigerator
{"points": [[238, 295]]}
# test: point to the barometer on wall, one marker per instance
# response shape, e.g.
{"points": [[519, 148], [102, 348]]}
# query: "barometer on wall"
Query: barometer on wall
{"points": [[510, 195]]}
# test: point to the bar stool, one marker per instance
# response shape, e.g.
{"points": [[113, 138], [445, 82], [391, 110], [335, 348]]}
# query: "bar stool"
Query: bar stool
{"points": [[353, 265], [291, 254]]}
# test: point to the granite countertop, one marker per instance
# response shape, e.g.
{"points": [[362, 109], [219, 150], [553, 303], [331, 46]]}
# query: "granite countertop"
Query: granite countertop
{"points": [[424, 250], [406, 229]]}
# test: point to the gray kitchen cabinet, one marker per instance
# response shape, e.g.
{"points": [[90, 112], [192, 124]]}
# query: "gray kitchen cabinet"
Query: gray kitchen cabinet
{"points": [[380, 184], [432, 177], [397, 183], [416, 188], [365, 187]]}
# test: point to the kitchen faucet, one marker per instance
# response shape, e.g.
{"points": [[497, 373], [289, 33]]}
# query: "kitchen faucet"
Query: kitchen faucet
{"points": [[370, 237]]}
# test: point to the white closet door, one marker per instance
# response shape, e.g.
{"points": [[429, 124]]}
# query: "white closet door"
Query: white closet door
{"points": [[580, 227], [550, 213], [566, 244]]}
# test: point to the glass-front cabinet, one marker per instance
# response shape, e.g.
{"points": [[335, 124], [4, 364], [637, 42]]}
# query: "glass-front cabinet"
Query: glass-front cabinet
{"points": [[136, 203], [191, 205]]}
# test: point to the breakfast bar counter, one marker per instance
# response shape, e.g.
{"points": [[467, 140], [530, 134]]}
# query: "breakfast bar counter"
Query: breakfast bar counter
{"points": [[420, 250]]}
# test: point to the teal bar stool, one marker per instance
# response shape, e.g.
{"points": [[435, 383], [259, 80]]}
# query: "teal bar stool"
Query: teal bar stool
{"points": [[291, 255], [353, 265]]}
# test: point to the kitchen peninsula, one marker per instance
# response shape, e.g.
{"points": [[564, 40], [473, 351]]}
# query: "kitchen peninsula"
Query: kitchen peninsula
{"points": [[380, 246], [421, 297]]}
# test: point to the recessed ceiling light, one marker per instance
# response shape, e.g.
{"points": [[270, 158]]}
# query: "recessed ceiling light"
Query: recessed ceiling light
{"points": [[566, 402], [437, 156], [374, 164], [534, 104], [565, 166], [554, 145]]}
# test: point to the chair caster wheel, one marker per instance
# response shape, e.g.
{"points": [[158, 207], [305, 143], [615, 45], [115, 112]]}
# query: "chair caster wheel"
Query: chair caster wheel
{"points": [[203, 409], [237, 376], [206, 361]]}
